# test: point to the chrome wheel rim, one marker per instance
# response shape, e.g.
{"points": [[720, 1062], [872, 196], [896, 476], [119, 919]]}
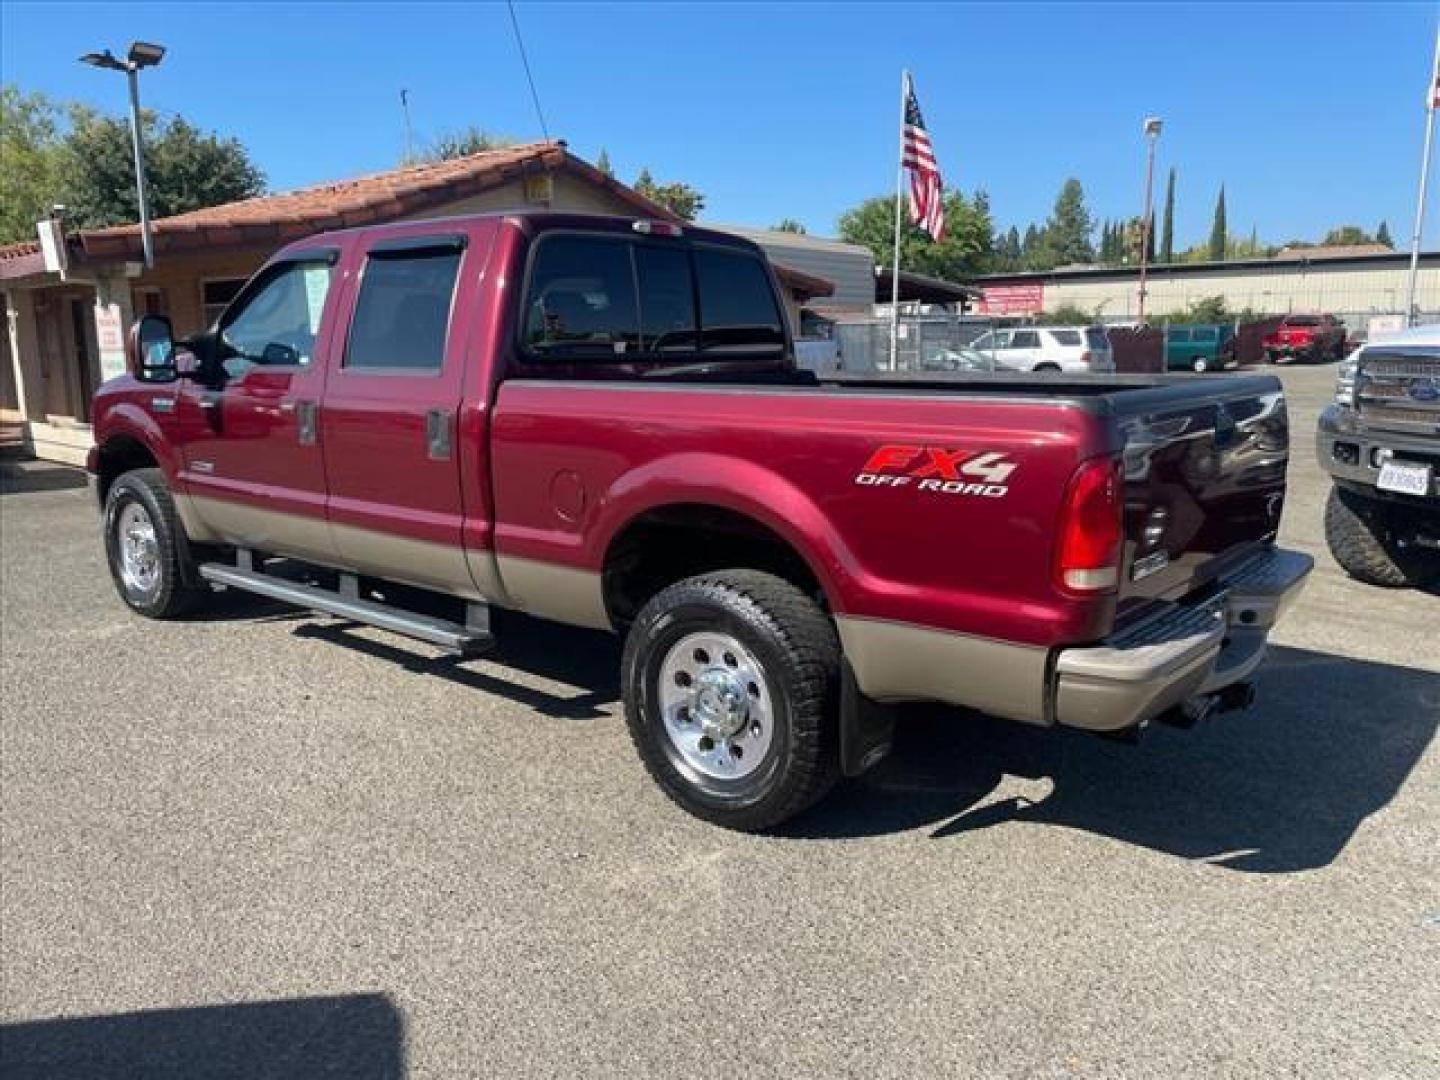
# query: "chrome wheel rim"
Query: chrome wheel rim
{"points": [[716, 705], [139, 549]]}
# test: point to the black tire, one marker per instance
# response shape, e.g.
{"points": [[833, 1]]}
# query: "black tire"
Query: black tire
{"points": [[797, 648], [170, 595], [1359, 534], [1047, 367]]}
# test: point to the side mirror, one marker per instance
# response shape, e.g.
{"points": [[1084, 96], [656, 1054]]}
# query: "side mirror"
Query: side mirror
{"points": [[151, 349], [279, 355]]}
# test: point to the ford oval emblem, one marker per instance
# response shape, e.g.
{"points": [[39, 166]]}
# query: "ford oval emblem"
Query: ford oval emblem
{"points": [[1425, 390]]}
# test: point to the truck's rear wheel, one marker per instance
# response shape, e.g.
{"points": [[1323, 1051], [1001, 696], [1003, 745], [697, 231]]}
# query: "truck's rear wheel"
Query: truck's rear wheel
{"points": [[1360, 536], [730, 694], [144, 542]]}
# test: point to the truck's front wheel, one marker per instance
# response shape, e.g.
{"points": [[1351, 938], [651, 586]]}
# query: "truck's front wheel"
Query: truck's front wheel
{"points": [[145, 544], [1362, 539], [730, 685]]}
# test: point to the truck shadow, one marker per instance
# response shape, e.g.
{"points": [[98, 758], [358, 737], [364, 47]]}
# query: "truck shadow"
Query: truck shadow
{"points": [[1277, 789], [359, 1036], [525, 648]]}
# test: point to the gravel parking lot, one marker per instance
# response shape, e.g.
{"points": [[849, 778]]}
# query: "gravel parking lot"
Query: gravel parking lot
{"points": [[261, 843]]}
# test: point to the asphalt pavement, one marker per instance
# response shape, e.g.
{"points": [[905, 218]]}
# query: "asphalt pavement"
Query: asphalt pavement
{"points": [[258, 843]]}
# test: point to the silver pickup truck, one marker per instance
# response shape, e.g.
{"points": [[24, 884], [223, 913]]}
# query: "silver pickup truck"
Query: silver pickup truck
{"points": [[1380, 442]]}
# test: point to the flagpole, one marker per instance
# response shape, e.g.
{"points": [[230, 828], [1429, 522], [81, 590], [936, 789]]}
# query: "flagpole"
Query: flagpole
{"points": [[895, 263], [1424, 183]]}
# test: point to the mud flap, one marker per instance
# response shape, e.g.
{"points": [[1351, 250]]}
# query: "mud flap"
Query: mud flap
{"points": [[867, 729]]}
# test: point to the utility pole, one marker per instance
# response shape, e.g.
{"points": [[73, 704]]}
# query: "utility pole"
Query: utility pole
{"points": [[1152, 135], [409, 135]]}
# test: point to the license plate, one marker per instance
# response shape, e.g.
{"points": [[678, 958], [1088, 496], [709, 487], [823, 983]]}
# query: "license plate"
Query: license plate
{"points": [[1407, 479]]}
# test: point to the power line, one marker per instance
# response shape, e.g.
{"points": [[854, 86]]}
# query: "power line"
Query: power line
{"points": [[534, 95]]}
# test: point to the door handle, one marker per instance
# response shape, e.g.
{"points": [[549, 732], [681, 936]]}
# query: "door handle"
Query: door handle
{"points": [[438, 437], [306, 413]]}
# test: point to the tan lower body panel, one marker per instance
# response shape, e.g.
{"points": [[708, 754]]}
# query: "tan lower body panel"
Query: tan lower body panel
{"points": [[266, 530], [552, 591], [902, 662], [443, 567], [549, 590]]}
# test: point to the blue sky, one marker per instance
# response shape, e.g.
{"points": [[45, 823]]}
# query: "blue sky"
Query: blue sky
{"points": [[1311, 115]]}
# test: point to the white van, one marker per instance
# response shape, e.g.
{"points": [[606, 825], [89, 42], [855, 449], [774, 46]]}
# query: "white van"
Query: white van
{"points": [[1076, 350]]}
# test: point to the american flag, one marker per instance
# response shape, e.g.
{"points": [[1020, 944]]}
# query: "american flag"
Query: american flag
{"points": [[927, 205]]}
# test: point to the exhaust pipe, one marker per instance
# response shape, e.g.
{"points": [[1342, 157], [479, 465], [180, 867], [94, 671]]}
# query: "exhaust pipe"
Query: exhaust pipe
{"points": [[1237, 696]]}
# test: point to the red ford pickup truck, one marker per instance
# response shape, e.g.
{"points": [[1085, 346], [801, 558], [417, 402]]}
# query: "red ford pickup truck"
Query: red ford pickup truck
{"points": [[1305, 337], [600, 422]]}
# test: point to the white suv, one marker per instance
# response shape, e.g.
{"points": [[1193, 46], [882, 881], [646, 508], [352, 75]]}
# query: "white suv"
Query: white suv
{"points": [[1076, 350]]}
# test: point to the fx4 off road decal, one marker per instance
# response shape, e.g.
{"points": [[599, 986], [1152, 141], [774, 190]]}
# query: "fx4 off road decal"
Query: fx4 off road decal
{"points": [[984, 473]]}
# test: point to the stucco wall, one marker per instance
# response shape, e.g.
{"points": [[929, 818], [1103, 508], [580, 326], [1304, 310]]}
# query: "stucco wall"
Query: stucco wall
{"points": [[1270, 290]]}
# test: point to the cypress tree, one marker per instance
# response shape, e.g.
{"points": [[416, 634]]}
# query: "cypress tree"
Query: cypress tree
{"points": [[1382, 235], [1218, 229]]}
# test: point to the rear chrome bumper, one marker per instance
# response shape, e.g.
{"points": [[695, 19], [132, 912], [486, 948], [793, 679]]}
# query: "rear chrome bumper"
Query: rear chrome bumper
{"points": [[1184, 650]]}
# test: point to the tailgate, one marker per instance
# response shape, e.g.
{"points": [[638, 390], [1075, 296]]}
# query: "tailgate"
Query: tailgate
{"points": [[1204, 480]]}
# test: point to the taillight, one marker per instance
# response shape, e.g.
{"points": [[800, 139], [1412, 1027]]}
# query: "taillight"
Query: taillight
{"points": [[656, 228], [1087, 549], [1086, 356]]}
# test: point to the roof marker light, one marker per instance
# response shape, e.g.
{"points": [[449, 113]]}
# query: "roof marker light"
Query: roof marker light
{"points": [[656, 228]]}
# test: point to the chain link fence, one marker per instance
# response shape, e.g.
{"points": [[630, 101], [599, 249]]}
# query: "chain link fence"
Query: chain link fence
{"points": [[925, 342]]}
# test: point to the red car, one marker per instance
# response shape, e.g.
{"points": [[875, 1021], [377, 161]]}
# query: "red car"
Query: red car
{"points": [[1305, 337], [600, 422]]}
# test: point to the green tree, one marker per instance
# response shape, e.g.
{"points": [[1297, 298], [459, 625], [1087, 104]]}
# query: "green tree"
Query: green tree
{"points": [[1067, 315], [1218, 233], [680, 199], [185, 169], [1382, 235], [30, 160], [1030, 247], [789, 225], [1067, 233], [1011, 249], [1167, 228], [458, 144], [966, 249], [1345, 235]]}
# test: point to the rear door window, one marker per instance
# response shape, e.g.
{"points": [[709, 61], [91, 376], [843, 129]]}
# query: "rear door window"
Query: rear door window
{"points": [[1025, 339], [738, 311], [1180, 335], [1205, 333], [402, 315], [1066, 337]]}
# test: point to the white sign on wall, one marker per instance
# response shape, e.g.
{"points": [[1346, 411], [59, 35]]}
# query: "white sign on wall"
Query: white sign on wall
{"points": [[110, 339]]}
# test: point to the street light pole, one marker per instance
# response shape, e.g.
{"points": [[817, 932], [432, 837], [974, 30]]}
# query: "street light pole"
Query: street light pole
{"points": [[133, 75], [1152, 134], [142, 55], [1432, 98]]}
